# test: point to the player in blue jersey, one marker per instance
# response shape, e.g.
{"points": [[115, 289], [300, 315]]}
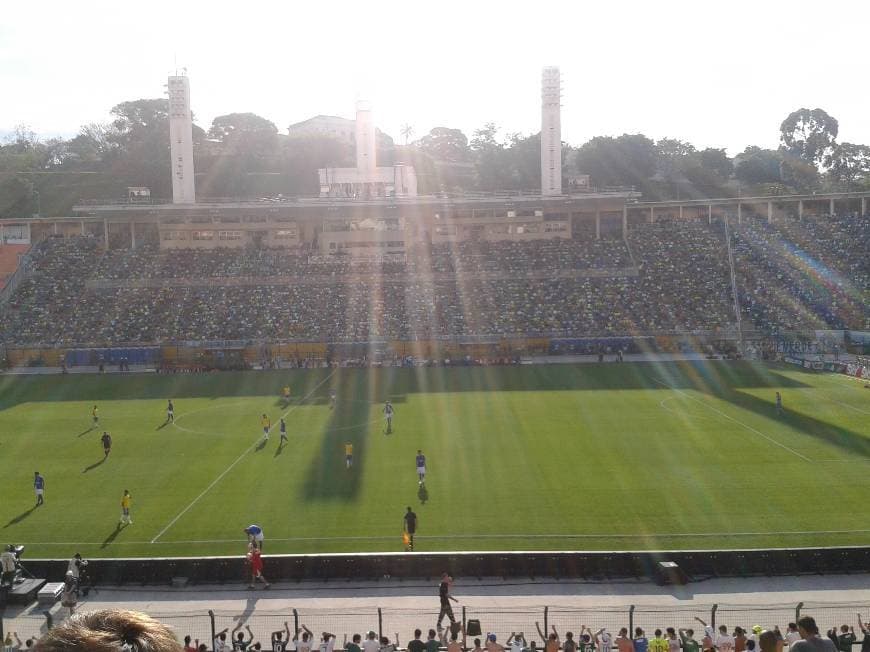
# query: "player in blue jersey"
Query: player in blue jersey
{"points": [[779, 409], [255, 535], [421, 467], [39, 488], [282, 428]]}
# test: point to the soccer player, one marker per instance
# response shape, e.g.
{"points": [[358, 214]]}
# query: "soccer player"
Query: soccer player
{"points": [[286, 394], [267, 426], [107, 443], [39, 488], [255, 557], [348, 454], [255, 535], [170, 412], [95, 417], [779, 409], [332, 400], [410, 525], [388, 417], [282, 427], [126, 501], [280, 644], [421, 467]]}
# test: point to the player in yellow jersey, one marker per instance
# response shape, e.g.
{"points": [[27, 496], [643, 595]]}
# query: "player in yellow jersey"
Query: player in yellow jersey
{"points": [[267, 426], [126, 502], [95, 417], [348, 454], [286, 394]]}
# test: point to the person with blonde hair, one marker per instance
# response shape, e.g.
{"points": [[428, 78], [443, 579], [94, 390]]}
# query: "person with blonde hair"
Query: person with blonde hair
{"points": [[111, 630]]}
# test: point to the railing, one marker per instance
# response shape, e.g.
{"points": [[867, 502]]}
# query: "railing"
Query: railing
{"points": [[290, 199], [398, 624]]}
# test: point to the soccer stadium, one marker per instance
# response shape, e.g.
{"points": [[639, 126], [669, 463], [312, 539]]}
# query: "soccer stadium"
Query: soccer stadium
{"points": [[592, 408]]}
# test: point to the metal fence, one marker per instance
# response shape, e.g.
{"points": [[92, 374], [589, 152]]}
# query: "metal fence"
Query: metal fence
{"points": [[398, 624]]}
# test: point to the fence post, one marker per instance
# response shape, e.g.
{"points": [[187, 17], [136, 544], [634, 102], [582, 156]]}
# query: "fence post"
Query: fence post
{"points": [[381, 624], [295, 623], [546, 624], [797, 611], [713, 616], [463, 624], [49, 620], [630, 621], [213, 631], [2, 613]]}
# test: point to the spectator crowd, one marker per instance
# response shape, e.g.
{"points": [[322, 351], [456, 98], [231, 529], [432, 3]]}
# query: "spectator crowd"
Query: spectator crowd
{"points": [[665, 277], [126, 630]]}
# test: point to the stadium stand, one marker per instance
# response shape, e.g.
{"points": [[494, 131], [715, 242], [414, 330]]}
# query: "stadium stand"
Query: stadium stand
{"points": [[666, 277]]}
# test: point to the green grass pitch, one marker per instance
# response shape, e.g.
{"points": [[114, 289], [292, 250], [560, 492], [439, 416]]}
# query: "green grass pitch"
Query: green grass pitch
{"points": [[560, 457]]}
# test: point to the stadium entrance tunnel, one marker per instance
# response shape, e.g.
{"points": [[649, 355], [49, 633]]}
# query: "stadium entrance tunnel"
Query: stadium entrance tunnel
{"points": [[560, 565]]}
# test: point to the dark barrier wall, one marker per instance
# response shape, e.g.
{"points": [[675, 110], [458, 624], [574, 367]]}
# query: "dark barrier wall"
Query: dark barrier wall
{"points": [[596, 565]]}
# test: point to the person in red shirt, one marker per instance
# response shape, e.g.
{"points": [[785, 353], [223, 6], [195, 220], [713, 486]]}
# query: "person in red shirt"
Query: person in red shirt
{"points": [[255, 558]]}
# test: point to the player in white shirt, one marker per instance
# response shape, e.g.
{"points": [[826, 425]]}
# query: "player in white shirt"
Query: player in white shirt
{"points": [[388, 417]]}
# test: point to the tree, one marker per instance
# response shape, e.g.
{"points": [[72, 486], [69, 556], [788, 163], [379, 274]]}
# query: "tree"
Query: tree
{"points": [[850, 163], [716, 161], [628, 160], [810, 135], [756, 165], [490, 162], [445, 144], [236, 125]]}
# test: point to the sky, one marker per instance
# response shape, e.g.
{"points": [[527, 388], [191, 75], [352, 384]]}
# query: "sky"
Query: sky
{"points": [[716, 74]]}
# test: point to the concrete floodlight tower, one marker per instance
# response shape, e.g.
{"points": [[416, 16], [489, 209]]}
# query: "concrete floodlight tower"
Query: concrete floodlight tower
{"points": [[551, 132], [181, 140], [366, 141]]}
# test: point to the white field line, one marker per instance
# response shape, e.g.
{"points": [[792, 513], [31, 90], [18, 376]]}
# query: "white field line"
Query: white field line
{"points": [[237, 460], [663, 404], [730, 418], [449, 537], [833, 400]]}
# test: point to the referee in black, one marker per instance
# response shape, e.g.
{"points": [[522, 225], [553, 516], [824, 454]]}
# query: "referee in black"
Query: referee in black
{"points": [[410, 527]]}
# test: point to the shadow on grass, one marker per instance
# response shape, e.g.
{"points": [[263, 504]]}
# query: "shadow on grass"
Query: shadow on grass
{"points": [[163, 425], [279, 450], [20, 517], [94, 465], [849, 441], [84, 432], [114, 535], [554, 377], [422, 493], [328, 478]]}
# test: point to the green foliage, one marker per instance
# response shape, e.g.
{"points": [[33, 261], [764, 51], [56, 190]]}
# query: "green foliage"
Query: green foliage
{"points": [[850, 164], [756, 165], [536, 428], [629, 159], [810, 135]]}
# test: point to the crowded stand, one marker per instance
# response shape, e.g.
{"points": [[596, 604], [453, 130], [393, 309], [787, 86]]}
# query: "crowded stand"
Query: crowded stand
{"points": [[665, 277], [804, 275]]}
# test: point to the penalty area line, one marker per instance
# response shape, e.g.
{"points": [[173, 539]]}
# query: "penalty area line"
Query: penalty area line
{"points": [[730, 418], [237, 460]]}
